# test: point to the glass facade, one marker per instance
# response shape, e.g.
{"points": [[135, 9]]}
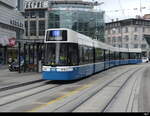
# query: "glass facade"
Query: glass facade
{"points": [[78, 17]]}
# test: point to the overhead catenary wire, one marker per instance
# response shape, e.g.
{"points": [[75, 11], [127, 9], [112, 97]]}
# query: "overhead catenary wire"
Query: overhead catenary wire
{"points": [[121, 8]]}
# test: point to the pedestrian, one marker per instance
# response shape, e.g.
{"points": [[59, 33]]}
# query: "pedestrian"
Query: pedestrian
{"points": [[9, 60]]}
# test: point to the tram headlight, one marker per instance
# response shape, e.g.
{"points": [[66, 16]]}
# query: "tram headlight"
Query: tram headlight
{"points": [[65, 69], [45, 68]]}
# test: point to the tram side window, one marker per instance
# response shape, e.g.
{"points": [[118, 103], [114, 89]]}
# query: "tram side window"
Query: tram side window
{"points": [[138, 55], [106, 55], [112, 55], [124, 56], [99, 55], [117, 56], [86, 55], [81, 53], [132, 55], [91, 55], [73, 55]]}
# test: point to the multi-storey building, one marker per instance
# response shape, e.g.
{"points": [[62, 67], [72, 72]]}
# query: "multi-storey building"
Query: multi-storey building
{"points": [[128, 33], [36, 18], [11, 27], [77, 15]]}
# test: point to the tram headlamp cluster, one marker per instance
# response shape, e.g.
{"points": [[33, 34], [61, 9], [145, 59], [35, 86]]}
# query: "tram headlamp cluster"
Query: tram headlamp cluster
{"points": [[45, 68], [58, 69], [65, 69]]}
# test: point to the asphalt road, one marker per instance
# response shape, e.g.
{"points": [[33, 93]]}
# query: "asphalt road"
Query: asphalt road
{"points": [[134, 96], [144, 95]]}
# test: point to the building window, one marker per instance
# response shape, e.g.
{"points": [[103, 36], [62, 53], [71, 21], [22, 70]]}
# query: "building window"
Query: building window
{"points": [[41, 14], [41, 28], [114, 39], [119, 30], [126, 30], [33, 14], [32, 28], [26, 27], [135, 37], [127, 38], [143, 38], [127, 45], [109, 40], [120, 46], [135, 29], [27, 14], [108, 31], [143, 29], [135, 45], [143, 46], [137, 22], [113, 31], [119, 39]]}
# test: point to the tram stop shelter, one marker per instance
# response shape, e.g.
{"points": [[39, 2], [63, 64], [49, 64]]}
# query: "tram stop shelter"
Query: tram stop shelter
{"points": [[31, 53]]}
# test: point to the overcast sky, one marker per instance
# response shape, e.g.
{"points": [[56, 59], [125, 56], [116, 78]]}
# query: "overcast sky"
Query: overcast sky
{"points": [[124, 9]]}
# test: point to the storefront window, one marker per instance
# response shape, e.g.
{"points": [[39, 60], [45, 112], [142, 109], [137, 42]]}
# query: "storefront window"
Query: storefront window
{"points": [[33, 28]]}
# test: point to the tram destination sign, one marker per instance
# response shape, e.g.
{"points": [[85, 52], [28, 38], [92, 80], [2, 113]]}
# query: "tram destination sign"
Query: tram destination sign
{"points": [[56, 35]]}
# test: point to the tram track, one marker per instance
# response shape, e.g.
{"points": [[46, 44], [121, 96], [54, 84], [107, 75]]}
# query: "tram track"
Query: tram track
{"points": [[20, 95], [20, 85], [26, 93], [79, 99], [113, 97], [85, 98], [20, 89]]}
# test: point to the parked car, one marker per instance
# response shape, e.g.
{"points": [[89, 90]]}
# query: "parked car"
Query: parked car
{"points": [[145, 59]]}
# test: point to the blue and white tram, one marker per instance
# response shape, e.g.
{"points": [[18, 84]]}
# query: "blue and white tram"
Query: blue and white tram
{"points": [[70, 55]]}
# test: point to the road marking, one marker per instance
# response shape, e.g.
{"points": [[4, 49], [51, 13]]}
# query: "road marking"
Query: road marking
{"points": [[60, 98]]}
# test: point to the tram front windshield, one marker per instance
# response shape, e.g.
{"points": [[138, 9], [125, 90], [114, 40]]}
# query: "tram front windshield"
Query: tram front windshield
{"points": [[61, 54]]}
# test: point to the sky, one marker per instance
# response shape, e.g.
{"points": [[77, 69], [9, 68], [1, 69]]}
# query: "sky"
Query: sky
{"points": [[123, 9]]}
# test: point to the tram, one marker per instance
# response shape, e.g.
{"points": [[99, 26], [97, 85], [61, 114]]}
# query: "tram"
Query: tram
{"points": [[70, 55]]}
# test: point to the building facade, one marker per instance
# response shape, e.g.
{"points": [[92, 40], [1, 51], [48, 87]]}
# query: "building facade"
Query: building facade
{"points": [[77, 15], [36, 18], [128, 33], [11, 27]]}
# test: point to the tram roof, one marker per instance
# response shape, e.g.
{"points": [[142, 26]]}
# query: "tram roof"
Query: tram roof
{"points": [[85, 40]]}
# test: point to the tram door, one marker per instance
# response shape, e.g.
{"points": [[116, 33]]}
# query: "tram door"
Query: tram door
{"points": [[33, 57]]}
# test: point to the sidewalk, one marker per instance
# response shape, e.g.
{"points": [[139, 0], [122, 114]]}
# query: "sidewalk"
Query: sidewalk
{"points": [[12, 81], [3, 66], [8, 78]]}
